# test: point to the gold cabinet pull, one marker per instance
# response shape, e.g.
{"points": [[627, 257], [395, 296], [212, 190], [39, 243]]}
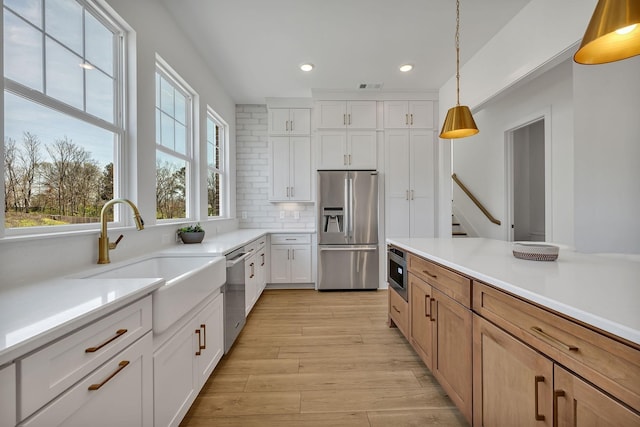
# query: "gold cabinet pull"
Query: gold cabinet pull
{"points": [[396, 309], [252, 272], [427, 302], [199, 351], [411, 119], [406, 119], [556, 395], [554, 340], [204, 337], [431, 316], [344, 119], [433, 276], [121, 366], [262, 255], [538, 379], [118, 334]]}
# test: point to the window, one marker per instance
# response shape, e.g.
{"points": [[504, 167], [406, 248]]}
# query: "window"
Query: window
{"points": [[62, 103], [174, 154], [216, 137]]}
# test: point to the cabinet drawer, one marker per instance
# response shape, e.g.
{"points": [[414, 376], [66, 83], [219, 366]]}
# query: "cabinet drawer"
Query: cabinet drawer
{"points": [[448, 282], [251, 247], [290, 239], [51, 370], [399, 312], [605, 362]]}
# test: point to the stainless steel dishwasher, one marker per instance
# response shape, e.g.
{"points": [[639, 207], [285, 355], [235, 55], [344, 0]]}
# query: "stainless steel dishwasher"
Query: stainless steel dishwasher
{"points": [[234, 299]]}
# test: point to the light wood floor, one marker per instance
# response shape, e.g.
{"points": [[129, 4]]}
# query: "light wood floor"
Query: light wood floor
{"points": [[308, 358]]}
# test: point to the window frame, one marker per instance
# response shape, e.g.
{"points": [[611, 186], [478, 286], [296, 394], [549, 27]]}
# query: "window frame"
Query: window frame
{"points": [[223, 162], [179, 84], [118, 127]]}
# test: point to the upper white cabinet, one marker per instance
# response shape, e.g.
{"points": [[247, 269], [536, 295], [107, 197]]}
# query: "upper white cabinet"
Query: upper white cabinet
{"points": [[290, 169], [289, 121], [410, 183], [408, 114], [346, 114], [8, 393], [353, 149]]}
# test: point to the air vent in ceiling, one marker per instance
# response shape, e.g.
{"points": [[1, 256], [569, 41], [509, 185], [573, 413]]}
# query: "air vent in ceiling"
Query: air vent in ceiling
{"points": [[370, 86]]}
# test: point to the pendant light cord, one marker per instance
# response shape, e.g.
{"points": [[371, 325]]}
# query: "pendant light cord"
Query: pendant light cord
{"points": [[457, 52]]}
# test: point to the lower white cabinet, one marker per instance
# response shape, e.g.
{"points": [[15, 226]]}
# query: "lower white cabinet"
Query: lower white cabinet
{"points": [[118, 393], [255, 272], [182, 364], [290, 258], [8, 393]]}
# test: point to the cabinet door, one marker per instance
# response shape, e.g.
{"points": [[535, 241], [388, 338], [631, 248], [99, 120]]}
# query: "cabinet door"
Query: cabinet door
{"points": [[175, 376], [397, 184], [299, 121], [396, 114], [279, 168], [249, 283], [280, 265], [362, 152], [8, 393], [331, 114], [211, 323], [300, 264], [452, 349], [422, 177], [421, 114], [332, 150], [512, 383], [123, 398], [361, 115], [580, 404], [278, 121], [422, 318], [300, 169]]}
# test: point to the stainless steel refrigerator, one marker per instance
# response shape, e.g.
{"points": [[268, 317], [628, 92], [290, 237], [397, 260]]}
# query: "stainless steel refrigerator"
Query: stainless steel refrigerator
{"points": [[347, 230]]}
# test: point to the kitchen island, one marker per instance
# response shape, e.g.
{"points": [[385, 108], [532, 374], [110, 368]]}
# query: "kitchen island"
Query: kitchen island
{"points": [[513, 340]]}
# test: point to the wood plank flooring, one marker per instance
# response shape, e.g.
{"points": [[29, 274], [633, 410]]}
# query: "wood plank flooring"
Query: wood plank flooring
{"points": [[308, 358]]}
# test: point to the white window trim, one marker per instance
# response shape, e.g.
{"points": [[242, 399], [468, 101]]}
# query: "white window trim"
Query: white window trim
{"points": [[224, 166]]}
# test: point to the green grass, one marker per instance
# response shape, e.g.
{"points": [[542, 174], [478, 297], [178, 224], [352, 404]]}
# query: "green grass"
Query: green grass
{"points": [[21, 220]]}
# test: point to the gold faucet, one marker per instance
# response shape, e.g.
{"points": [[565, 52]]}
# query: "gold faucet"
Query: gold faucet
{"points": [[103, 241]]}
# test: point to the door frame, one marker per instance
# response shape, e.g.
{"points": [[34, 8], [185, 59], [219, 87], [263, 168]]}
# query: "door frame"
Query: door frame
{"points": [[544, 115]]}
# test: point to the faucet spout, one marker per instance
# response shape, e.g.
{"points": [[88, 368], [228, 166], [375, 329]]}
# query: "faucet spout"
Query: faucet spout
{"points": [[103, 241]]}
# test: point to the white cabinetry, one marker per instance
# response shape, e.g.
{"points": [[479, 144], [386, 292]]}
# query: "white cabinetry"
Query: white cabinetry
{"points": [[353, 149], [289, 121], [410, 183], [255, 266], [8, 396], [102, 372], [408, 114], [184, 361], [346, 114], [290, 258], [290, 168]]}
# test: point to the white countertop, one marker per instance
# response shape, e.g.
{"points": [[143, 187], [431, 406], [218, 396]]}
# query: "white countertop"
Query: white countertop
{"points": [[603, 291], [33, 315]]}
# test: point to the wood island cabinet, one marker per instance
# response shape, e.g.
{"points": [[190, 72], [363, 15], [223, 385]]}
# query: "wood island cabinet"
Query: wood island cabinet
{"points": [[398, 313]]}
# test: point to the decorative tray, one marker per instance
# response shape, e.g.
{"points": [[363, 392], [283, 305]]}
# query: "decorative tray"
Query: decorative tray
{"points": [[535, 251]]}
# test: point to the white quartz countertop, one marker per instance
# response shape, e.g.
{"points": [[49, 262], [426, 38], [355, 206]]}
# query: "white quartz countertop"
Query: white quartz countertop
{"points": [[601, 290], [35, 314], [224, 243]]}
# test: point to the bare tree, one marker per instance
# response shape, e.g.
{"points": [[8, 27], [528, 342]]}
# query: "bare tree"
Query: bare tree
{"points": [[30, 158], [10, 178]]}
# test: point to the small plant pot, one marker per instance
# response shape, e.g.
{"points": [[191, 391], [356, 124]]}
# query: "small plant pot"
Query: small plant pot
{"points": [[192, 237]]}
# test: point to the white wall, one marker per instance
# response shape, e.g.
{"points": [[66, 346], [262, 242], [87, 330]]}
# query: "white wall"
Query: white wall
{"points": [[480, 161], [607, 156], [24, 260]]}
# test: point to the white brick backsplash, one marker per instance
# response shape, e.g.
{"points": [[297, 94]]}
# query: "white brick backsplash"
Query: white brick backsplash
{"points": [[252, 176]]}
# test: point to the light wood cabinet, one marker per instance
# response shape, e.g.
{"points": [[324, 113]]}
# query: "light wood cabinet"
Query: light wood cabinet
{"points": [[410, 183], [346, 114], [408, 114], [347, 150], [289, 121], [420, 294], [8, 393], [290, 258], [289, 169], [184, 362], [398, 312], [513, 383]]}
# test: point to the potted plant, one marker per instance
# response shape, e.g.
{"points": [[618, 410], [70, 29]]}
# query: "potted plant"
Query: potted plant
{"points": [[191, 233]]}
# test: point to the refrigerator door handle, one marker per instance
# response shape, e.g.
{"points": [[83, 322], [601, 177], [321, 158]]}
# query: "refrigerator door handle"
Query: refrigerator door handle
{"points": [[350, 208], [340, 249], [346, 208]]}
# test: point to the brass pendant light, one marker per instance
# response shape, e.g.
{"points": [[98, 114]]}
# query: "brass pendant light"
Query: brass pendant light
{"points": [[459, 122], [613, 33]]}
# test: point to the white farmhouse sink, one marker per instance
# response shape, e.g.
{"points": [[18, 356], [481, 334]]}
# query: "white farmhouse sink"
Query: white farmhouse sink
{"points": [[188, 280]]}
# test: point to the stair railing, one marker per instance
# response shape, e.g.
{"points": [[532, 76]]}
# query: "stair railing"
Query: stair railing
{"points": [[474, 200]]}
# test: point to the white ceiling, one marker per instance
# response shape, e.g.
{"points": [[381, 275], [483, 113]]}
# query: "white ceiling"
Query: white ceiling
{"points": [[255, 47]]}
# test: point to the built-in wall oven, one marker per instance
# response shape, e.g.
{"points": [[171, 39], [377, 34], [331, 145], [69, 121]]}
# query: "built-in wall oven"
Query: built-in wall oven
{"points": [[397, 271]]}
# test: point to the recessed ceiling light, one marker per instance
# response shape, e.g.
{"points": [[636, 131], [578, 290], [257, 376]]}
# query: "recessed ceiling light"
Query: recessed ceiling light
{"points": [[406, 67], [306, 67]]}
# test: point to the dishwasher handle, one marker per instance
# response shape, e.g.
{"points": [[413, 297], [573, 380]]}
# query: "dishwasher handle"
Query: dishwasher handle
{"points": [[238, 259]]}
